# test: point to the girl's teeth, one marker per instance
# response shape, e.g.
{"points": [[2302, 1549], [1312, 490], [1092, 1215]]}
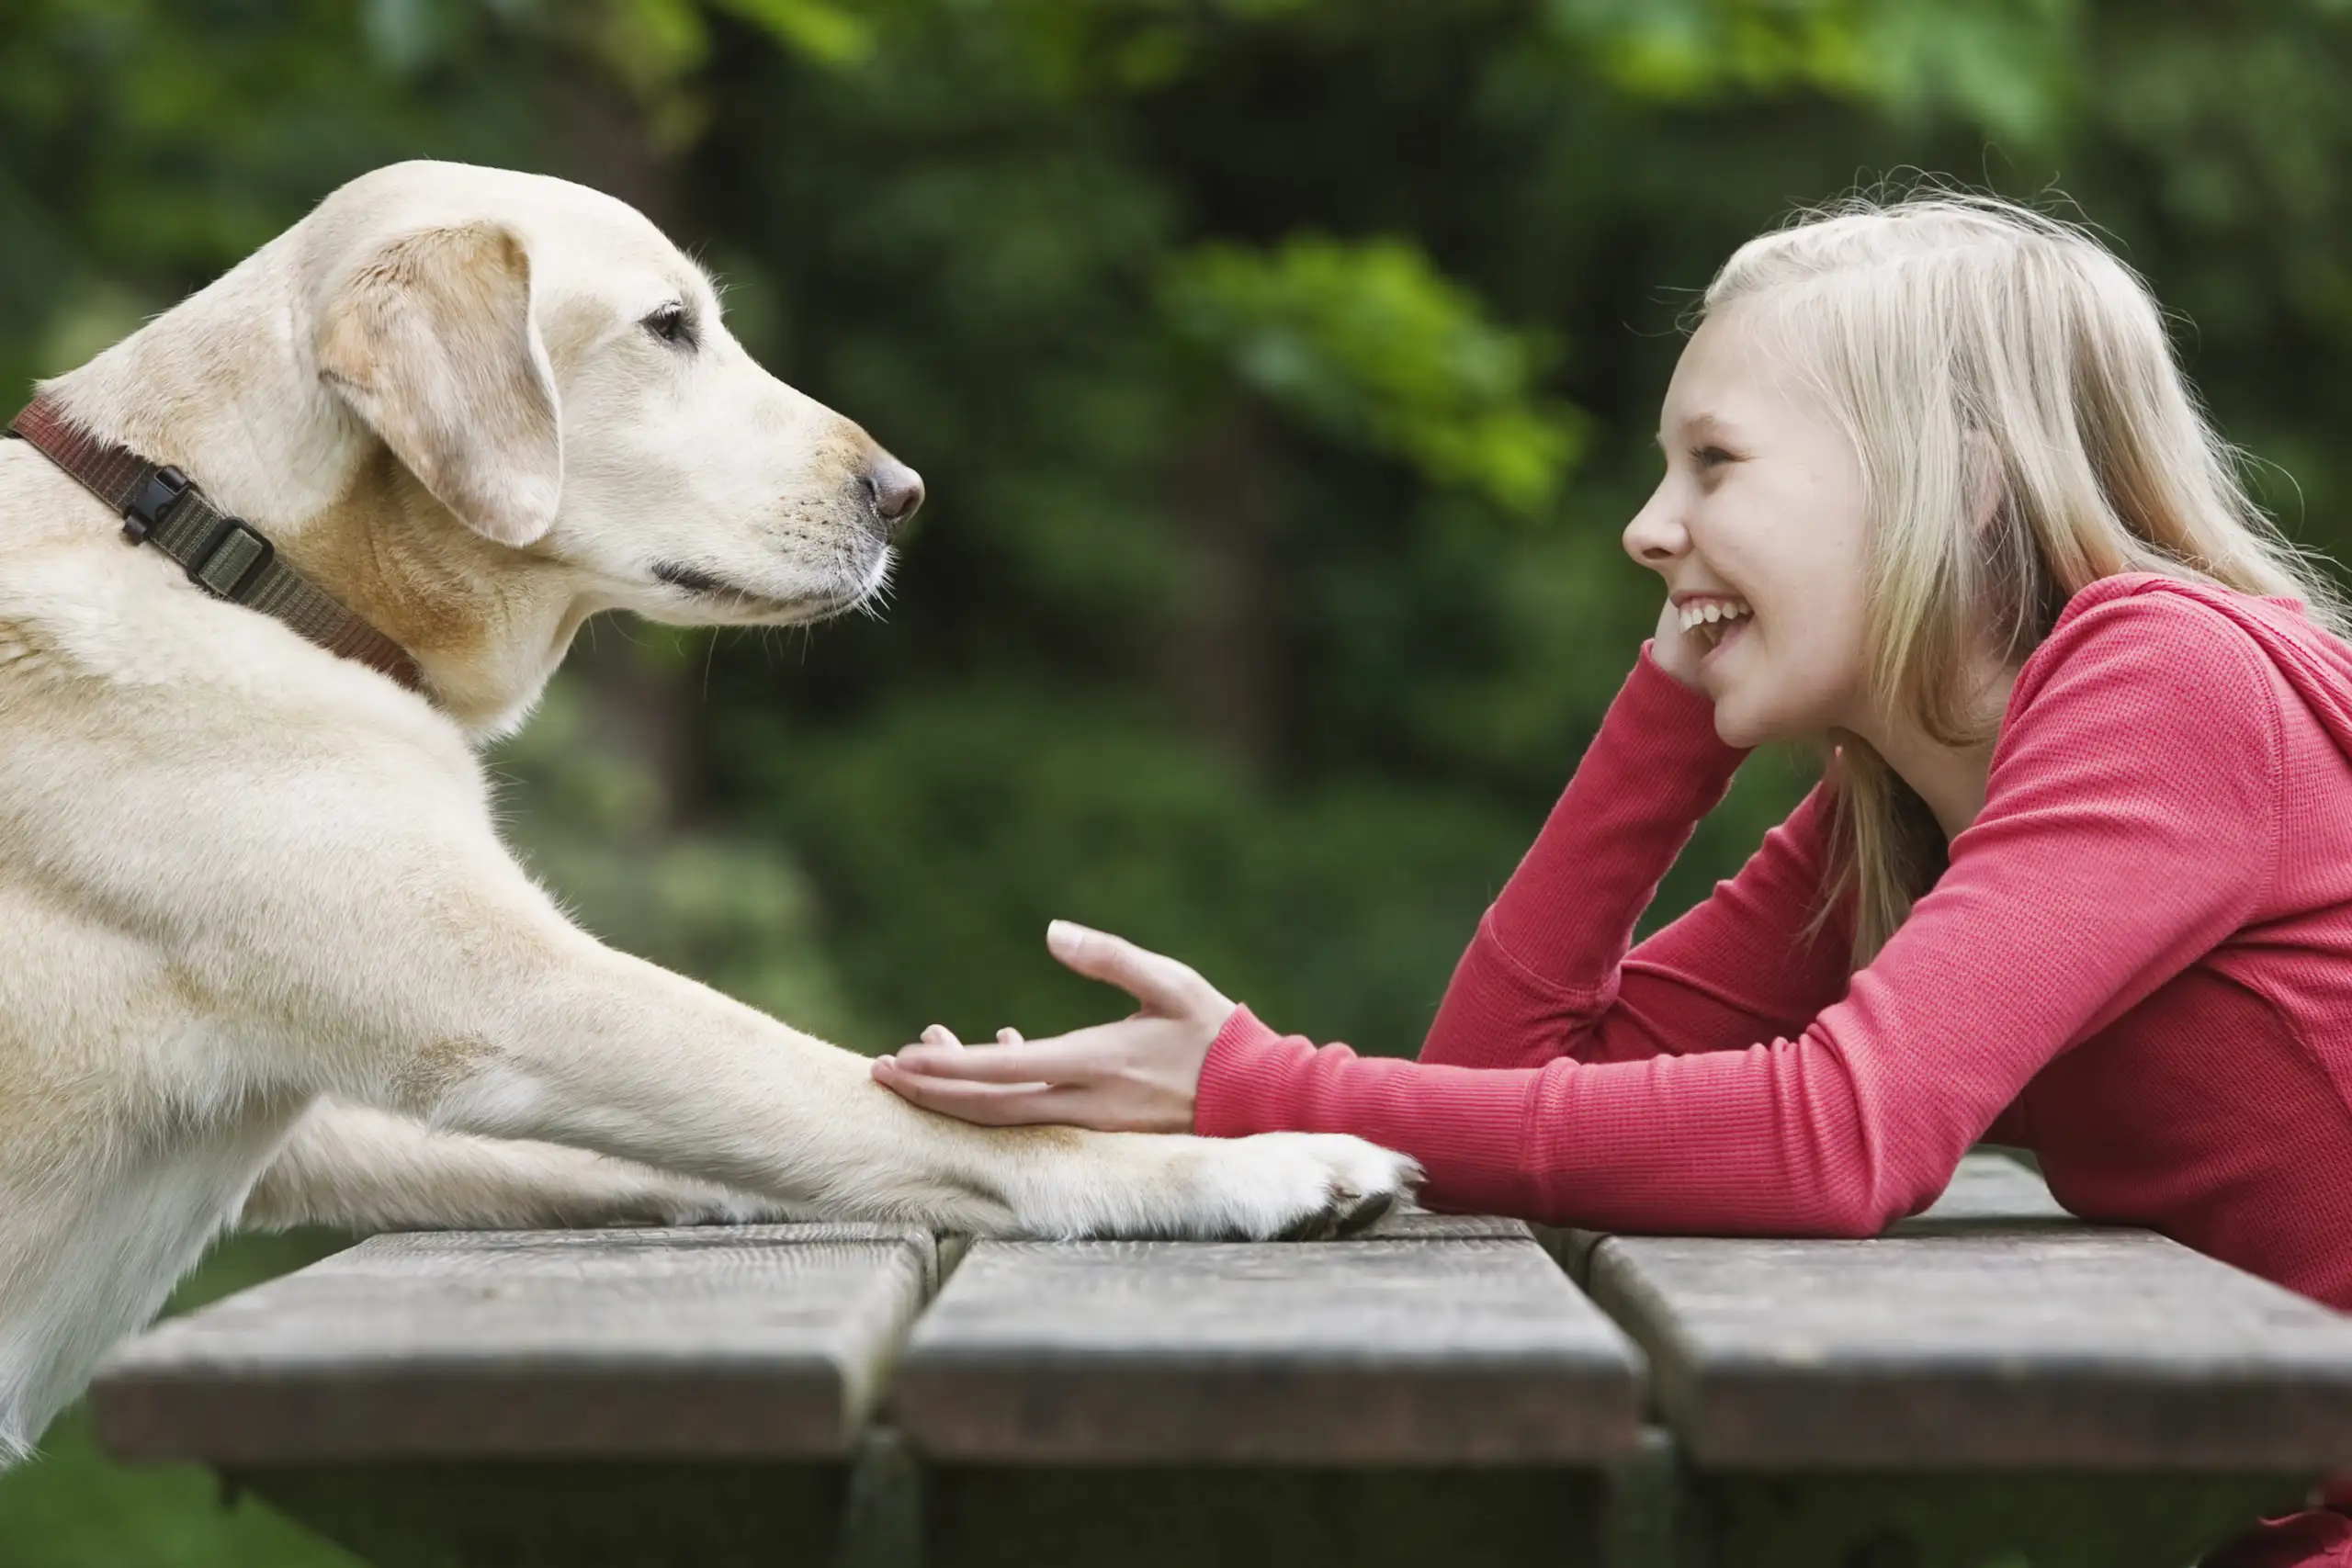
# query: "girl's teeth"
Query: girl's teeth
{"points": [[1696, 615]]}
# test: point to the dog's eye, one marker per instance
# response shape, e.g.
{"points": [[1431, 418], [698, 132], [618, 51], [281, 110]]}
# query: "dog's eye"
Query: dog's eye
{"points": [[671, 324]]}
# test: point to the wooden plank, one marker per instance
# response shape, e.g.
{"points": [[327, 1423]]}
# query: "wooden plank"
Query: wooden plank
{"points": [[1248, 1515], [532, 1513], [761, 1341], [1571, 1246], [1467, 1351], [1420, 1225], [1986, 1186], [1992, 1344], [1990, 1518]]}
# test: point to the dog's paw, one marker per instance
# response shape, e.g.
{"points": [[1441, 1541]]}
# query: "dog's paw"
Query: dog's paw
{"points": [[1300, 1187], [1146, 1187]]}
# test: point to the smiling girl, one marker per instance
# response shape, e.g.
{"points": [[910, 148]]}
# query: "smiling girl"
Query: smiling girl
{"points": [[2078, 877]]}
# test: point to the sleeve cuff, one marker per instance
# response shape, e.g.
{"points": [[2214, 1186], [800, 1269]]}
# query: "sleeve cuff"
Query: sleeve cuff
{"points": [[1242, 1080], [1651, 688], [1655, 769]]}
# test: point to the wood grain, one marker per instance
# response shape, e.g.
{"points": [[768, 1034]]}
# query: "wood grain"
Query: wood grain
{"points": [[1989, 1188], [1972, 1344], [1469, 1351], [1420, 1225], [1987, 1185], [768, 1341]]}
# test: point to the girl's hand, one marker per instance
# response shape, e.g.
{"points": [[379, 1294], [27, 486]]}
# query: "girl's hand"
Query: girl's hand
{"points": [[1674, 651], [1139, 1075]]}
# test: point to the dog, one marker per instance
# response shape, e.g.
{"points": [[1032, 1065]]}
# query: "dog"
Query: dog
{"points": [[264, 959]]}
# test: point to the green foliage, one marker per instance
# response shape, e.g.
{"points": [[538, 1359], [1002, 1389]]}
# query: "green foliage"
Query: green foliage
{"points": [[1369, 344], [2007, 66], [835, 34], [732, 910], [997, 810]]}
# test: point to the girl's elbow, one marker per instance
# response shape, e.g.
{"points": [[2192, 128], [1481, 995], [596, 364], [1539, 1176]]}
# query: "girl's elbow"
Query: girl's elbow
{"points": [[1857, 1210]]}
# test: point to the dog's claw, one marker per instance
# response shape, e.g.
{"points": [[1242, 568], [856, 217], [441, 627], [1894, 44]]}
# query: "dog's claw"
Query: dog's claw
{"points": [[1366, 1213]]}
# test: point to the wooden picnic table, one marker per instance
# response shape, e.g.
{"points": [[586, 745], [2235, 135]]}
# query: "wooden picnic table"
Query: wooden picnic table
{"points": [[1991, 1386], [1992, 1382]]}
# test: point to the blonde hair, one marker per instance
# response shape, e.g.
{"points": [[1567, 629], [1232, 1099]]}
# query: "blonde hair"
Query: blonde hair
{"points": [[2023, 430]]}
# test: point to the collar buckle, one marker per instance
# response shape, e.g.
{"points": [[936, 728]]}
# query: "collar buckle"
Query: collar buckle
{"points": [[148, 508]]}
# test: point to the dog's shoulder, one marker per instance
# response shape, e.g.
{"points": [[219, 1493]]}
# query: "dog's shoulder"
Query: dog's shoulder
{"points": [[99, 636]]}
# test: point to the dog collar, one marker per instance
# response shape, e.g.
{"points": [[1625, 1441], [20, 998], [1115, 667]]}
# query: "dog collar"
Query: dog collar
{"points": [[225, 556]]}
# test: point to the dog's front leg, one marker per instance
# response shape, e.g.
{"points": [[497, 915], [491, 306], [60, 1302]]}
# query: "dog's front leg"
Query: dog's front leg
{"points": [[585, 1046], [409, 964], [358, 1168]]}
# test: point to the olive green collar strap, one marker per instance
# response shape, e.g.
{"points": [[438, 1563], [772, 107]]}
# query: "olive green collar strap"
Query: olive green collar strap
{"points": [[225, 556]]}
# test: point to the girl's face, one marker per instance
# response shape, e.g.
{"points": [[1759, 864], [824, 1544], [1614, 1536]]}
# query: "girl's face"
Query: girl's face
{"points": [[1759, 523]]}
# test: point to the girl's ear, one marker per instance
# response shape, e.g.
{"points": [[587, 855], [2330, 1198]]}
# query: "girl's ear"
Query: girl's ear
{"points": [[432, 343]]}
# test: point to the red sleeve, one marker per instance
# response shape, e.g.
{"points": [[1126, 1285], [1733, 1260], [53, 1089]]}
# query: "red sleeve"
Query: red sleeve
{"points": [[1548, 974], [2132, 822]]}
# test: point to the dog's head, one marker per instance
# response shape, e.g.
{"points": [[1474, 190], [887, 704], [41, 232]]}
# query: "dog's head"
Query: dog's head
{"points": [[556, 374]]}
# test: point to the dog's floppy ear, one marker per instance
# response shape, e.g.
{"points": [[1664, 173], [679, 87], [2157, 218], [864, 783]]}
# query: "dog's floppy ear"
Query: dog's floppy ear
{"points": [[431, 342]]}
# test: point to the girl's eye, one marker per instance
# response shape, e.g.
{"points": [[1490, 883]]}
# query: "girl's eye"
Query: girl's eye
{"points": [[1709, 456], [671, 324]]}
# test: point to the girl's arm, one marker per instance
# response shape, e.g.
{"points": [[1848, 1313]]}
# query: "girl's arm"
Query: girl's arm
{"points": [[1547, 974], [2132, 823]]}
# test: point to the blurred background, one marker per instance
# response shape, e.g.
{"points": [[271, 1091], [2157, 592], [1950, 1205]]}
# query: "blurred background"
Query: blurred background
{"points": [[1281, 372]]}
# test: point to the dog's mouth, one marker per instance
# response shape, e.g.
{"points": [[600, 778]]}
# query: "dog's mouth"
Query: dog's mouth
{"points": [[749, 604]]}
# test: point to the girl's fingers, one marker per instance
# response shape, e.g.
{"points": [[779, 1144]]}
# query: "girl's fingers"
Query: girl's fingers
{"points": [[941, 1035], [1064, 1060], [1161, 984], [1008, 1036], [990, 1105]]}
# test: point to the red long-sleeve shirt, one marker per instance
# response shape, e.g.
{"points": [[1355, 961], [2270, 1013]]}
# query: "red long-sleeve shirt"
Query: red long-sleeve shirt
{"points": [[2138, 964]]}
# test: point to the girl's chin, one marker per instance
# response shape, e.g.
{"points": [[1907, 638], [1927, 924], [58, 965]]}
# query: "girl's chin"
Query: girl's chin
{"points": [[1737, 721], [1718, 679], [1733, 731], [1737, 724]]}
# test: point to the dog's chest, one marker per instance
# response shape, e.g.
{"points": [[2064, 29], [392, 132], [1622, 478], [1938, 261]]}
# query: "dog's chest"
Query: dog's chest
{"points": [[88, 1254]]}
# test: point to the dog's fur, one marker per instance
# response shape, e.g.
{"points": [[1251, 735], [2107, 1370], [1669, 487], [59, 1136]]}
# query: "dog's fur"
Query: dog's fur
{"points": [[261, 954]]}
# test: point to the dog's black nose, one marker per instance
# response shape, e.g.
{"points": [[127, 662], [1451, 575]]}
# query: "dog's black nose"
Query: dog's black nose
{"points": [[894, 488]]}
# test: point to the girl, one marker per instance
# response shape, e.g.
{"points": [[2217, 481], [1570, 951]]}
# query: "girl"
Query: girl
{"points": [[2078, 876]]}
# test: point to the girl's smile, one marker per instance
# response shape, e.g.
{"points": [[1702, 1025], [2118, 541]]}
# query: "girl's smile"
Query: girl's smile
{"points": [[1715, 618], [1718, 638]]}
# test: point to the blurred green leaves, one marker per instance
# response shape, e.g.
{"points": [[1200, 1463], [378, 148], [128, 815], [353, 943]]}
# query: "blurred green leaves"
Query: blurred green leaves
{"points": [[833, 34], [1369, 344], [2007, 66], [991, 810], [590, 818]]}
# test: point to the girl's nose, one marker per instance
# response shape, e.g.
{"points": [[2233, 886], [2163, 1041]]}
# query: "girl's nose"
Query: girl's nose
{"points": [[1656, 536]]}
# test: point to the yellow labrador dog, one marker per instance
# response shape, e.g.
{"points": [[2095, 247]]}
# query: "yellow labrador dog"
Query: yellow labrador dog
{"points": [[263, 957]]}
